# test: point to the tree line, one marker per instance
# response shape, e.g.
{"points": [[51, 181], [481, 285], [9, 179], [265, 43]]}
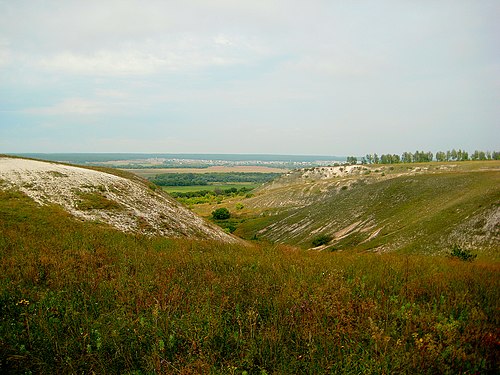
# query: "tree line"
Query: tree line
{"points": [[202, 179], [423, 157], [216, 192]]}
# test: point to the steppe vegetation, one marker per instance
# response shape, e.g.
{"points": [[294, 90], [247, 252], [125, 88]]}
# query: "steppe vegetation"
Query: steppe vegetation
{"points": [[204, 179], [118, 198], [198, 188], [418, 207], [210, 188], [80, 297], [190, 196], [83, 297]]}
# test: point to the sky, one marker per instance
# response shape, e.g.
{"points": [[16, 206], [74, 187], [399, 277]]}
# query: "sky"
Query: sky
{"points": [[259, 77]]}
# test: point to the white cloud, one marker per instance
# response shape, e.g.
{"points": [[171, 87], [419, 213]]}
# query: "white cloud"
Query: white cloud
{"points": [[345, 66], [103, 62], [5, 52], [113, 94], [184, 53], [72, 106], [356, 67]]}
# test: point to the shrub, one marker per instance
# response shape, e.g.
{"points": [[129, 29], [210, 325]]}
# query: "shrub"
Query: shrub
{"points": [[462, 254], [321, 240], [221, 214]]}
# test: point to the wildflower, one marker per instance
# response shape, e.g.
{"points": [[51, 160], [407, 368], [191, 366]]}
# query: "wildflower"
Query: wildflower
{"points": [[23, 302]]}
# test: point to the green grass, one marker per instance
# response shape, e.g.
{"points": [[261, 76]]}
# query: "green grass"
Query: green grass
{"points": [[95, 200], [81, 297], [415, 213], [211, 187]]}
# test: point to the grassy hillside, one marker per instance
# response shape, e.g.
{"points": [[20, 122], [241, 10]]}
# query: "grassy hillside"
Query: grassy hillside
{"points": [[120, 199], [80, 297], [424, 208]]}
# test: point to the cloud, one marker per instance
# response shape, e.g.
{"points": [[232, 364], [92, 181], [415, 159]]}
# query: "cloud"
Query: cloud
{"points": [[5, 52], [182, 53], [113, 94], [72, 106], [104, 63], [291, 69]]}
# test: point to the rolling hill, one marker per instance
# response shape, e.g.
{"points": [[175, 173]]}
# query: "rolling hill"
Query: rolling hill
{"points": [[98, 296], [425, 208], [119, 199]]}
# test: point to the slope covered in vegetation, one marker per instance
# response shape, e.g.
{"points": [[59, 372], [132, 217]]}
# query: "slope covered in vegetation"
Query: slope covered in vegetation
{"points": [[419, 208], [78, 297], [113, 197]]}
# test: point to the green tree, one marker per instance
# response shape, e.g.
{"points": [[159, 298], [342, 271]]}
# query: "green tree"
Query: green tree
{"points": [[352, 160], [454, 154], [440, 156], [478, 155], [407, 157], [221, 214]]}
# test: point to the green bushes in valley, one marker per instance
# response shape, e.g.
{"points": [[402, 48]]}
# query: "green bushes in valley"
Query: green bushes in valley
{"points": [[201, 179], [221, 214]]}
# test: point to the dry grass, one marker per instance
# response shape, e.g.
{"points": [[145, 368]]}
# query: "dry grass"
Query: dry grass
{"points": [[83, 298]]}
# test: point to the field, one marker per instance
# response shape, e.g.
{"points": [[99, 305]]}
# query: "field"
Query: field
{"points": [[152, 172], [83, 298], [212, 187]]}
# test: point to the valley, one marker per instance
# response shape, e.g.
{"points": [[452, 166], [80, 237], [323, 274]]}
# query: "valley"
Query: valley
{"points": [[423, 208], [334, 269]]}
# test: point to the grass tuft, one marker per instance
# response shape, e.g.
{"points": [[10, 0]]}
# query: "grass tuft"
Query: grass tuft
{"points": [[95, 201]]}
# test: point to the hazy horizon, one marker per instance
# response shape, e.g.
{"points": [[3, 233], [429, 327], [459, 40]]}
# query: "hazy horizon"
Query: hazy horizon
{"points": [[249, 77]]}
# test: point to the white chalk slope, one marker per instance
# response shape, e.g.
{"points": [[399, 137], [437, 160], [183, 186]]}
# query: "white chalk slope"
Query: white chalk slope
{"points": [[129, 205]]}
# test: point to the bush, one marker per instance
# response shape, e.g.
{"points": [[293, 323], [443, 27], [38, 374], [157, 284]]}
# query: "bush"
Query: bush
{"points": [[462, 254], [321, 240], [221, 214]]}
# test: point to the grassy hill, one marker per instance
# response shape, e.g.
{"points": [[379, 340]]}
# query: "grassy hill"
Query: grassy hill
{"points": [[420, 208], [80, 297], [108, 196], [84, 297]]}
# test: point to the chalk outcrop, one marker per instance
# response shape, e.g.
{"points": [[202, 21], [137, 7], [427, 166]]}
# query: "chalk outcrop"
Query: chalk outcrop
{"points": [[128, 204]]}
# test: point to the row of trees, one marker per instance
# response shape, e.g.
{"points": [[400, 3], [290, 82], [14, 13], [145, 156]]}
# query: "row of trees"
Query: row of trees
{"points": [[423, 157], [203, 179], [216, 192]]}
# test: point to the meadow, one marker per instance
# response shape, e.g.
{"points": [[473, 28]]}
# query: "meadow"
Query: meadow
{"points": [[211, 187], [153, 172], [422, 208], [81, 297]]}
